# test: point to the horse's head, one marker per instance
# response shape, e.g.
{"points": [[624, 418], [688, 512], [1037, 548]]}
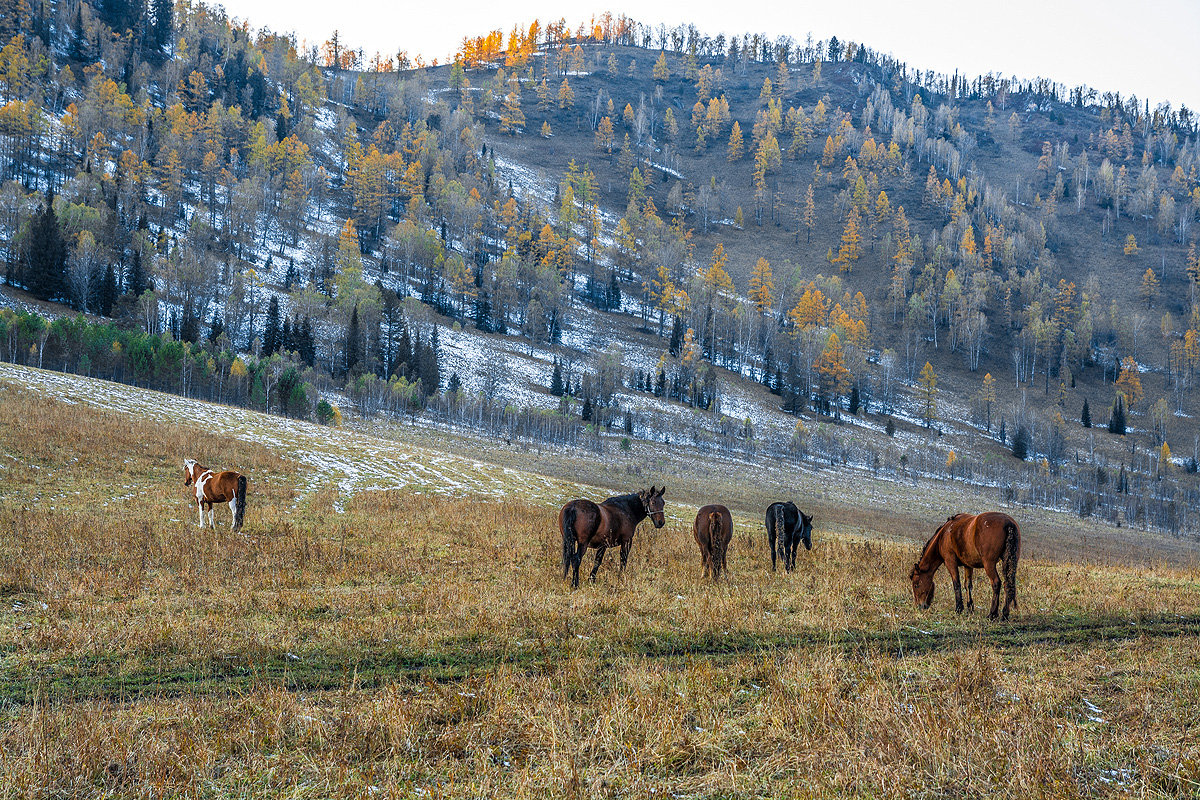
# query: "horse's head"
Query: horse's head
{"points": [[806, 530], [189, 471], [652, 500], [922, 583]]}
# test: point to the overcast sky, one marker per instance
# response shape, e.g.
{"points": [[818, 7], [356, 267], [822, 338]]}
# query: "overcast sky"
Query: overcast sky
{"points": [[1150, 48]]}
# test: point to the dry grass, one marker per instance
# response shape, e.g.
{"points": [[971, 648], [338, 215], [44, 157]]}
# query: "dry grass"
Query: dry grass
{"points": [[427, 646]]}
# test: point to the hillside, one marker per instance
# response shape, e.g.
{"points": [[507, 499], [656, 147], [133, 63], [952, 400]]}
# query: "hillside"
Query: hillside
{"points": [[295, 232]]}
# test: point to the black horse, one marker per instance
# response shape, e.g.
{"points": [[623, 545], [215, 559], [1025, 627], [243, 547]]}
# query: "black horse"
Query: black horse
{"points": [[788, 526]]}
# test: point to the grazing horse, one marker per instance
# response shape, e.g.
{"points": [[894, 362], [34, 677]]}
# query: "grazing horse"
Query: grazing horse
{"points": [[713, 529], [216, 487], [790, 526], [971, 541], [586, 524]]}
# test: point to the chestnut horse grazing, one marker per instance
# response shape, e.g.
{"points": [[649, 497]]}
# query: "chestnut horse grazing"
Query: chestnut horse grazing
{"points": [[713, 529], [216, 487], [790, 526], [971, 541], [586, 524]]}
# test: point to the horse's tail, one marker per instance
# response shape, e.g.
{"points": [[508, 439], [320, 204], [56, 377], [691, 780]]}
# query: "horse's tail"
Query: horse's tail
{"points": [[778, 520], [239, 506], [1012, 553], [716, 546], [569, 536]]}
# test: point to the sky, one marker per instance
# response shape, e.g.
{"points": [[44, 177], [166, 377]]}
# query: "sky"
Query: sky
{"points": [[1150, 48]]}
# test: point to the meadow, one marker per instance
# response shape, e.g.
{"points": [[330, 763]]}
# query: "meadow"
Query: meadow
{"points": [[368, 635]]}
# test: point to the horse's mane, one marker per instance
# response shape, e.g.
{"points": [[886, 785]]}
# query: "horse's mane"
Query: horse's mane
{"points": [[623, 499], [938, 532]]}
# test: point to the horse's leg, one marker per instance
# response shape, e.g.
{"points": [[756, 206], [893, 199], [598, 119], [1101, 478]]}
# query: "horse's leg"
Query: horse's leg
{"points": [[771, 541], [958, 601], [232, 513], [990, 568], [596, 566], [792, 552], [970, 582], [625, 548], [580, 549], [200, 509]]}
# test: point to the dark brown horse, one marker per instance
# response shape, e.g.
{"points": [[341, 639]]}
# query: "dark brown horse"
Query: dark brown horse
{"points": [[971, 541], [713, 529], [216, 487], [586, 524]]}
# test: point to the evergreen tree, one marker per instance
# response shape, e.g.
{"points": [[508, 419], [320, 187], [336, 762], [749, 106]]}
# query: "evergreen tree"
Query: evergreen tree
{"points": [[1116, 422], [854, 399], [353, 341], [47, 276], [586, 412], [1020, 445], [216, 329], [454, 384], [556, 380], [676, 337], [402, 365], [306, 344], [890, 428], [1086, 416], [136, 282], [272, 340], [108, 291], [287, 337], [1003, 434]]}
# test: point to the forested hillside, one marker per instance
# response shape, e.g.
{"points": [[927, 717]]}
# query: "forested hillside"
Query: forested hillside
{"points": [[752, 244]]}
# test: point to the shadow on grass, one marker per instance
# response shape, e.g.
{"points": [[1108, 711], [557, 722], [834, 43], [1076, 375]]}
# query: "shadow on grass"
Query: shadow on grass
{"points": [[110, 677]]}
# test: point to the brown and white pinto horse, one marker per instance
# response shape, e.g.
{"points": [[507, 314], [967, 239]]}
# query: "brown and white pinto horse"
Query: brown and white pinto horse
{"points": [[971, 541], [586, 524], [216, 487]]}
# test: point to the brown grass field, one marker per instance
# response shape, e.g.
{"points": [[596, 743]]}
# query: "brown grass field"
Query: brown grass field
{"points": [[421, 645]]}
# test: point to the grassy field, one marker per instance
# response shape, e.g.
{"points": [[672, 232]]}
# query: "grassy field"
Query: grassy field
{"points": [[368, 637]]}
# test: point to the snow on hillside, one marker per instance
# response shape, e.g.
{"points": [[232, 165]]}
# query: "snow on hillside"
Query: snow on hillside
{"points": [[347, 458]]}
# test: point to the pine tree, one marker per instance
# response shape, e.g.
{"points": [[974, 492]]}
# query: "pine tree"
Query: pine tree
{"points": [[454, 384], [306, 345], [1086, 416], [1116, 420], [556, 380], [47, 275], [272, 340], [353, 341], [431, 376], [108, 291], [1020, 445], [586, 412], [137, 282], [676, 337]]}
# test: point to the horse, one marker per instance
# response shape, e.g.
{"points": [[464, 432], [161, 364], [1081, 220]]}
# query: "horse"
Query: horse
{"points": [[216, 487], [713, 529], [791, 526], [611, 523], [971, 541]]}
